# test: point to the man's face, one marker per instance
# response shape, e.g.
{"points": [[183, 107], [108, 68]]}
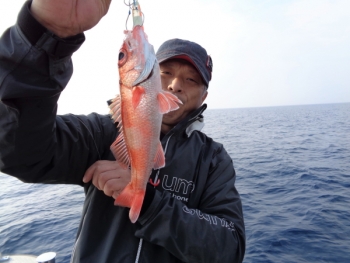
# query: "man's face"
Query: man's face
{"points": [[183, 80]]}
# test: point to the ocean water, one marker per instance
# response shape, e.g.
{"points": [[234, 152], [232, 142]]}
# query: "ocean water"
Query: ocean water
{"points": [[293, 174]]}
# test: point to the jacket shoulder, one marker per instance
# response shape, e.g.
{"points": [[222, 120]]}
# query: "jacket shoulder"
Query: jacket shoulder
{"points": [[211, 144], [100, 127]]}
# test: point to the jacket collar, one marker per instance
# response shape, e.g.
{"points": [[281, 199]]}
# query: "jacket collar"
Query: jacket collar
{"points": [[192, 122]]}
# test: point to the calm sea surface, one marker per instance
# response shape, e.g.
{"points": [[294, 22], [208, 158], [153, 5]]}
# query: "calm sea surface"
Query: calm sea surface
{"points": [[293, 174]]}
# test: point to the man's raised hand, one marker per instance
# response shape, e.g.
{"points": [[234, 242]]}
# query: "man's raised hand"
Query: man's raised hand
{"points": [[69, 17]]}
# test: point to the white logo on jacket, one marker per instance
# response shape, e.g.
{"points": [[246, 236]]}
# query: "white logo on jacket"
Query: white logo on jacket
{"points": [[179, 186]]}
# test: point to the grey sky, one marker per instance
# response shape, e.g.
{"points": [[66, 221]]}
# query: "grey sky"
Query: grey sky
{"points": [[265, 53]]}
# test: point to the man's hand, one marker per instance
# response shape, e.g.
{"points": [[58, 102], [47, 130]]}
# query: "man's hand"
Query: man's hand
{"points": [[108, 176], [69, 17]]}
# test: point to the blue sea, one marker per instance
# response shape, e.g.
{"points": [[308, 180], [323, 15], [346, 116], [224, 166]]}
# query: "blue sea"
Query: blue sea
{"points": [[293, 174]]}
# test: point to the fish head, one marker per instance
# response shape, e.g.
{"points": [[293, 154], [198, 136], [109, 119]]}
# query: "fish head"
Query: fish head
{"points": [[136, 58]]}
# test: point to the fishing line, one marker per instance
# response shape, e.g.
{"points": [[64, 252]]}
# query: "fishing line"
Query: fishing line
{"points": [[126, 22], [130, 8]]}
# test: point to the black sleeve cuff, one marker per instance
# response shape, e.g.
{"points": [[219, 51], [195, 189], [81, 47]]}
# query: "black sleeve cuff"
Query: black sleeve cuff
{"points": [[149, 195], [33, 31]]}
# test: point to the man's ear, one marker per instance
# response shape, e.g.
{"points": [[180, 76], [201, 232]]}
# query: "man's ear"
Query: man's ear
{"points": [[204, 96]]}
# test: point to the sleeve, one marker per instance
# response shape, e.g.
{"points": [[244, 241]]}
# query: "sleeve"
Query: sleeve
{"points": [[35, 144], [212, 232]]}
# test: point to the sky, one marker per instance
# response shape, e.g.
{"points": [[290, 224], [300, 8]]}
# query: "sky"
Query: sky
{"points": [[265, 53]]}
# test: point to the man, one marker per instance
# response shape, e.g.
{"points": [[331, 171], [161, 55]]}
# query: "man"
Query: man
{"points": [[192, 211]]}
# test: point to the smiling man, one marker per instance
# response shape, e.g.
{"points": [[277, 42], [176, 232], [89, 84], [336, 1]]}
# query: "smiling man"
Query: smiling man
{"points": [[192, 211], [181, 78], [185, 71]]}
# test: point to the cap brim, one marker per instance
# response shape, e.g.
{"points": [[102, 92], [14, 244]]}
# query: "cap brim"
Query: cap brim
{"points": [[187, 58]]}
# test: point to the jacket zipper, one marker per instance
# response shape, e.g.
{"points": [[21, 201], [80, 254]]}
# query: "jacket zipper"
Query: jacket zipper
{"points": [[165, 150], [155, 179]]}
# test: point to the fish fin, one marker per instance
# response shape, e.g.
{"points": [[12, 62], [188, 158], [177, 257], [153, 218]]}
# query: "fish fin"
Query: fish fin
{"points": [[132, 199], [163, 103], [120, 151], [114, 106], [159, 160], [147, 70], [137, 94], [118, 147], [167, 102]]}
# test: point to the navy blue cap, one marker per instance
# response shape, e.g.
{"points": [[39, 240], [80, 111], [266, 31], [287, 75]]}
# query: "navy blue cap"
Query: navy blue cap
{"points": [[190, 51]]}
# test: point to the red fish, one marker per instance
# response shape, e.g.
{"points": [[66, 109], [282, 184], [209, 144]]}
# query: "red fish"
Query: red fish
{"points": [[138, 110]]}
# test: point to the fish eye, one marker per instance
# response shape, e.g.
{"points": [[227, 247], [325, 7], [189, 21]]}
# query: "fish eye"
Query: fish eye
{"points": [[122, 57]]}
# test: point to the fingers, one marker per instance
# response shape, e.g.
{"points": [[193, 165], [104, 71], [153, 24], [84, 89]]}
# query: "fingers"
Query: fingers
{"points": [[106, 179], [98, 168], [105, 6], [67, 17], [108, 176], [116, 194], [112, 187], [113, 182], [89, 173]]}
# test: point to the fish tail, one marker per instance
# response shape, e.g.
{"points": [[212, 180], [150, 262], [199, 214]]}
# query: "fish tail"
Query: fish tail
{"points": [[126, 197], [133, 199], [136, 206]]}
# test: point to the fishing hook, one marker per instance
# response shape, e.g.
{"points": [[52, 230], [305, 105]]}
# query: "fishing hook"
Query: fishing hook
{"points": [[133, 7]]}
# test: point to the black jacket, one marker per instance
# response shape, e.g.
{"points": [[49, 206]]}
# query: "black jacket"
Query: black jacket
{"points": [[194, 214]]}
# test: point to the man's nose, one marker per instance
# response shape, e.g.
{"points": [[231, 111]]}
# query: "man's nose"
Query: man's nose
{"points": [[175, 85]]}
